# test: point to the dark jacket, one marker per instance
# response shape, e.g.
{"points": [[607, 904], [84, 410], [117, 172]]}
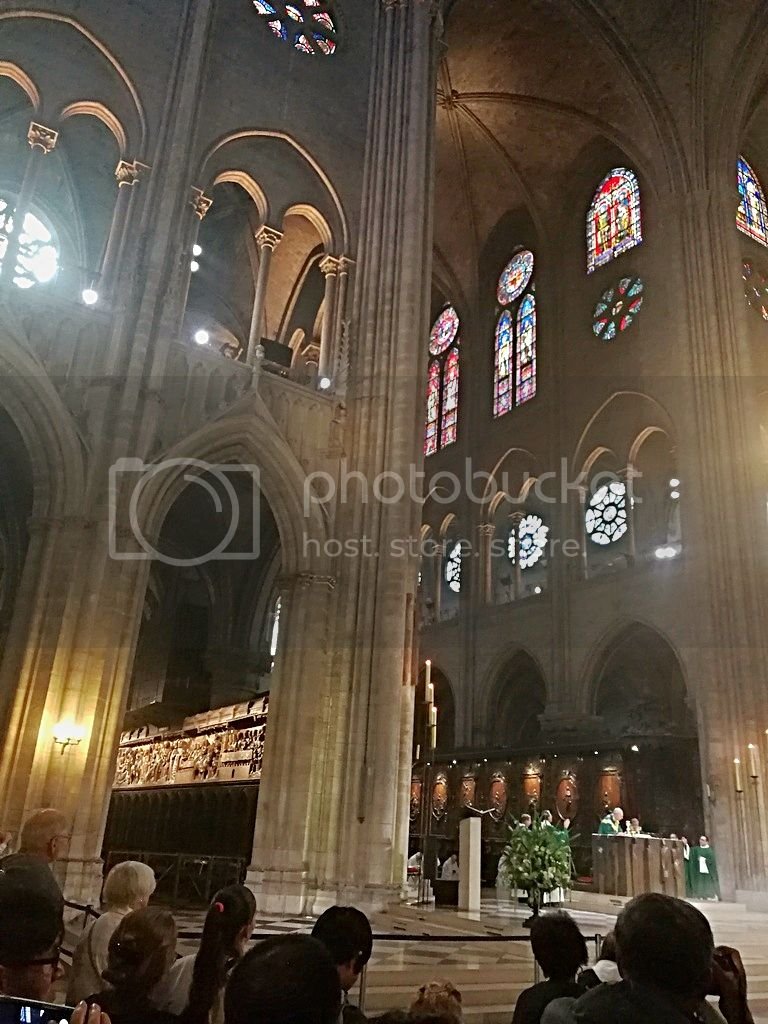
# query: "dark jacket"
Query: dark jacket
{"points": [[616, 1004], [532, 1002], [125, 1010]]}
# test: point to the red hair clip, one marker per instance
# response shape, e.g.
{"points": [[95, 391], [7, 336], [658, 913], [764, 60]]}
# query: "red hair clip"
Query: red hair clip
{"points": [[219, 907]]}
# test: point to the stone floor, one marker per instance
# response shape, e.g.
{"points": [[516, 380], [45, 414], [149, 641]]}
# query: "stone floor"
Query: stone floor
{"points": [[417, 944]]}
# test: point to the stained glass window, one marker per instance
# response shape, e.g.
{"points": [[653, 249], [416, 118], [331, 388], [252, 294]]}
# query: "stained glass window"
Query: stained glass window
{"points": [[531, 541], [756, 287], [515, 277], [274, 632], [443, 382], [37, 255], [606, 515], [450, 399], [309, 25], [504, 348], [453, 568], [752, 214], [433, 407], [514, 380], [617, 307], [525, 360], [614, 219]]}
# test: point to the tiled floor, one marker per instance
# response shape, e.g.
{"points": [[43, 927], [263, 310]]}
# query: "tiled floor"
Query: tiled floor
{"points": [[490, 973]]}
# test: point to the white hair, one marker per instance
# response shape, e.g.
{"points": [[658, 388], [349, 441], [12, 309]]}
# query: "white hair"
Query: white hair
{"points": [[127, 883]]}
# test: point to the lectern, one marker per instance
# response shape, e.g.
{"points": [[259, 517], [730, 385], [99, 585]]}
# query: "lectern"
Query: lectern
{"points": [[625, 865]]}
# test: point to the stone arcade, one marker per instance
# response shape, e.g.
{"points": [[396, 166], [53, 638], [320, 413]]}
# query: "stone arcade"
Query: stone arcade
{"points": [[279, 258]]}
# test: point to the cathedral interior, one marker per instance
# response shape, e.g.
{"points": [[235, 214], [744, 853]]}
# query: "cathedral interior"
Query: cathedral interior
{"points": [[366, 364]]}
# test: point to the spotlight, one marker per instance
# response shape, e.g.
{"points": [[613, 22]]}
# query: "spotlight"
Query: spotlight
{"points": [[197, 250], [325, 383], [597, 753], [674, 482], [635, 748], [202, 337], [89, 296], [537, 590], [194, 266], [674, 495]]}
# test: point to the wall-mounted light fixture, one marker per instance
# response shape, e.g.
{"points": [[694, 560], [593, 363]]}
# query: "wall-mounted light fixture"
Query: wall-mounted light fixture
{"points": [[68, 734]]}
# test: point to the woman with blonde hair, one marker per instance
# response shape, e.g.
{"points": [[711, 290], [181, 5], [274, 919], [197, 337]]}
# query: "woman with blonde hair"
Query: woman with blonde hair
{"points": [[438, 999], [128, 887]]}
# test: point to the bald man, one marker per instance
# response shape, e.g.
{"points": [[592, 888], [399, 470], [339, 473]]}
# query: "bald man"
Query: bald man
{"points": [[44, 839]]}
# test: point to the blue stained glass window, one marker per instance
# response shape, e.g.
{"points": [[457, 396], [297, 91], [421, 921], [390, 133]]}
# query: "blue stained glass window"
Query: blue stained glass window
{"points": [[614, 222], [752, 213], [308, 24], [514, 378]]}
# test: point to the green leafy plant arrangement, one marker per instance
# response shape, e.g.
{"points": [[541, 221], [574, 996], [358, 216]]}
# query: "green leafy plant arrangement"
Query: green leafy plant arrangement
{"points": [[536, 859]]}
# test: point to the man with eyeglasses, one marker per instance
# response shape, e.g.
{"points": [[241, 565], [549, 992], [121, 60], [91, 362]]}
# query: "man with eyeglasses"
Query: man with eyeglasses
{"points": [[31, 931], [44, 839]]}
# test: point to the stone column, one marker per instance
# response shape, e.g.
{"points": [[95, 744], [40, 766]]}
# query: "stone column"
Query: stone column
{"points": [[361, 859], [329, 267], [284, 861], [267, 240], [42, 141], [128, 175], [724, 550], [486, 532], [340, 365]]}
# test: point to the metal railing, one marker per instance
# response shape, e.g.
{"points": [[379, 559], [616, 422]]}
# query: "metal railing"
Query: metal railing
{"points": [[185, 876]]}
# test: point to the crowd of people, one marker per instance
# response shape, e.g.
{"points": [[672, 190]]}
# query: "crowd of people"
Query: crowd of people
{"points": [[660, 964]]}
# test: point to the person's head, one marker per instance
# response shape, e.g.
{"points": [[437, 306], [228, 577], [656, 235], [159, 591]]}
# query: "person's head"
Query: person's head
{"points": [[525, 819], [667, 943], [129, 885], [31, 930], [287, 979], [673, 835], [546, 816], [141, 950], [45, 834], [558, 945], [703, 841], [346, 934], [226, 931], [618, 814], [437, 999], [634, 822], [608, 948]]}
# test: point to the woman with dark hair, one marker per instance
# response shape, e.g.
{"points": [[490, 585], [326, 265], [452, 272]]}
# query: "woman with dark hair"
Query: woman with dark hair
{"points": [[194, 986], [141, 950]]}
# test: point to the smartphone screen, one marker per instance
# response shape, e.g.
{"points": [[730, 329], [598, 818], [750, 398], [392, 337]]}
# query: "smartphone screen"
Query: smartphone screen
{"points": [[27, 1011]]}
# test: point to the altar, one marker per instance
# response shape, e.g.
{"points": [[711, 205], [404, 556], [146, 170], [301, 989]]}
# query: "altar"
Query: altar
{"points": [[625, 865]]}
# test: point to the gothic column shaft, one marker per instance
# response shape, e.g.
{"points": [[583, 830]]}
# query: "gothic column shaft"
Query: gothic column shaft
{"points": [[128, 176], [330, 269], [42, 141], [266, 240]]}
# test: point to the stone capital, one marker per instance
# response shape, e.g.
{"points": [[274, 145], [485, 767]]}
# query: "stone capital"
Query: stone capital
{"points": [[329, 266], [267, 237], [129, 173], [200, 202], [486, 529], [40, 137]]}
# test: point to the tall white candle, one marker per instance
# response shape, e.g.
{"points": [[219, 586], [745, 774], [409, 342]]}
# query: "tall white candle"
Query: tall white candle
{"points": [[754, 769], [737, 775]]}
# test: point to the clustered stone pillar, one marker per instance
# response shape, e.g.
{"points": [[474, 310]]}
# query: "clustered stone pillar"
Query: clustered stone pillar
{"points": [[267, 240]]}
